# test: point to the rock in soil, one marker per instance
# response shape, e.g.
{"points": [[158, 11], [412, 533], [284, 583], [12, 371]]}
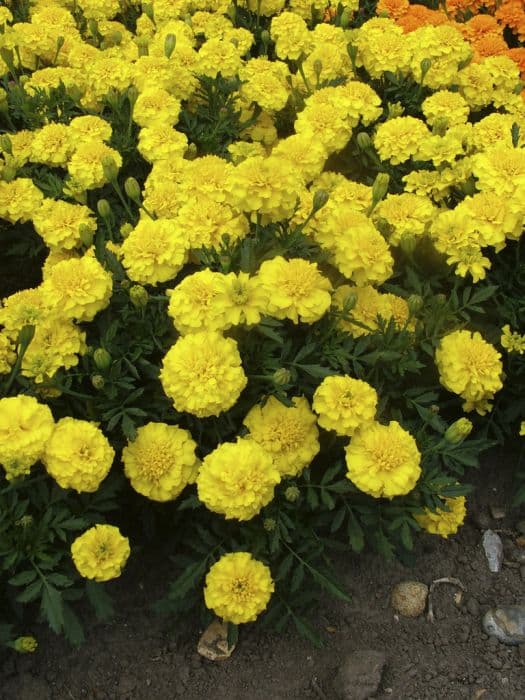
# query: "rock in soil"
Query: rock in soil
{"points": [[506, 623], [213, 644], [409, 598], [493, 547], [360, 675]]}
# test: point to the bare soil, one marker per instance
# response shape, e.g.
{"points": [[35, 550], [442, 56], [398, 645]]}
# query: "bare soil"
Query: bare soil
{"points": [[142, 656]]}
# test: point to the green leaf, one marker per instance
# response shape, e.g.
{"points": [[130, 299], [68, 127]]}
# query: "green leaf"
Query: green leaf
{"points": [[30, 593], [355, 534], [23, 578], [330, 585], [59, 580], [312, 498], [233, 634], [297, 578], [307, 631], [284, 567], [406, 536], [100, 601], [316, 370], [53, 608], [338, 520], [73, 630]]}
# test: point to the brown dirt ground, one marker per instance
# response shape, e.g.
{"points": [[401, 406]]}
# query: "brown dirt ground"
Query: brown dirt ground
{"points": [[140, 655]]}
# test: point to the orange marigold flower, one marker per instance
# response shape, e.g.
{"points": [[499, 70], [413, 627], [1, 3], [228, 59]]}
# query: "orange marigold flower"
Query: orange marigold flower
{"points": [[489, 45], [419, 16], [393, 8]]}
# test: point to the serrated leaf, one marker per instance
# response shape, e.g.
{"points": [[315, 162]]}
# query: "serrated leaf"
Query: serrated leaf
{"points": [[30, 593], [330, 585], [100, 601], [297, 578], [284, 567], [23, 578], [59, 580], [338, 520], [355, 534], [72, 626], [52, 608], [307, 631]]}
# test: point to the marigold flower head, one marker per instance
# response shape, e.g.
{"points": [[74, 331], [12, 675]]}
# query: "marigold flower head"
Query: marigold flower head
{"points": [[25, 308], [202, 374], [512, 341], [25, 427], [19, 199], [160, 461], [78, 455], [444, 522], [404, 214], [25, 645], [238, 587], [265, 83], [399, 139], [85, 165], [383, 460], [7, 353], [242, 299], [156, 106], [59, 223], [57, 343], [100, 553], [291, 36], [295, 288], [288, 433], [237, 479], [470, 367], [79, 288], [193, 304], [445, 105], [344, 404]]}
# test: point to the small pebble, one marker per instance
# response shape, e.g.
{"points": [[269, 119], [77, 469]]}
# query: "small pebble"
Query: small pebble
{"points": [[506, 623], [493, 547], [409, 598], [497, 512]]}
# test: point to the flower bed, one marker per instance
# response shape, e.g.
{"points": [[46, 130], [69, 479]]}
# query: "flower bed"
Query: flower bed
{"points": [[281, 303]]}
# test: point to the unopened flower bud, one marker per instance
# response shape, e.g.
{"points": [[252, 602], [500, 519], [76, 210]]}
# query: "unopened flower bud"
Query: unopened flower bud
{"points": [[318, 68], [394, 109], [102, 358], [116, 38], [110, 168], [86, 235], [425, 67], [458, 431], [104, 208], [321, 197], [292, 493], [346, 17], [125, 230], [415, 303], [25, 645], [408, 243], [138, 296], [265, 37], [269, 524], [519, 87], [132, 189], [26, 335], [469, 186], [169, 44], [282, 376], [352, 52], [147, 9], [441, 299], [142, 45], [9, 173], [380, 187], [349, 301], [6, 145], [132, 94], [440, 126], [363, 140], [92, 26], [98, 381]]}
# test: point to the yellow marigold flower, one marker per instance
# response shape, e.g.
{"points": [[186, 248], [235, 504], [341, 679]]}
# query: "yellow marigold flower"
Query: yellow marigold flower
{"points": [[500, 169], [469, 260], [383, 460], [19, 199], [100, 553], [305, 8], [306, 152], [512, 341], [156, 106], [382, 47], [7, 353], [89, 126], [202, 374], [56, 344], [295, 288], [326, 121], [476, 85], [85, 165], [242, 299], [441, 149], [79, 288], [288, 433], [404, 214], [291, 36], [25, 308], [450, 231], [161, 142], [237, 479], [207, 221], [205, 178], [154, 251], [266, 186], [25, 645], [21, 146], [215, 56], [241, 150], [332, 60], [59, 223], [192, 303], [267, 8], [470, 367], [53, 145], [398, 139], [344, 404], [78, 455], [444, 47], [238, 587], [522, 428], [444, 522], [25, 428], [490, 218], [265, 82], [160, 461], [50, 78], [445, 105], [493, 130]]}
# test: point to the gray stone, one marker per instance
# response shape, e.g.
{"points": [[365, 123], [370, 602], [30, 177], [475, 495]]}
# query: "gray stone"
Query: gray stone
{"points": [[493, 547], [360, 675], [497, 512], [506, 623], [472, 606]]}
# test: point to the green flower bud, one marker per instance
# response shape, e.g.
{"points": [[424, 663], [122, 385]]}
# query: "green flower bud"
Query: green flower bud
{"points": [[349, 302], [132, 188], [363, 141], [440, 126], [143, 45], [408, 243], [269, 524], [147, 8], [6, 145], [415, 303], [469, 186], [125, 230], [380, 187], [458, 431], [292, 494], [394, 109], [425, 64], [321, 197], [110, 168], [98, 381], [169, 44], [282, 376], [25, 645], [318, 68], [346, 17], [138, 296], [104, 208], [9, 173], [102, 359], [265, 37], [86, 235], [132, 94], [26, 335]]}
